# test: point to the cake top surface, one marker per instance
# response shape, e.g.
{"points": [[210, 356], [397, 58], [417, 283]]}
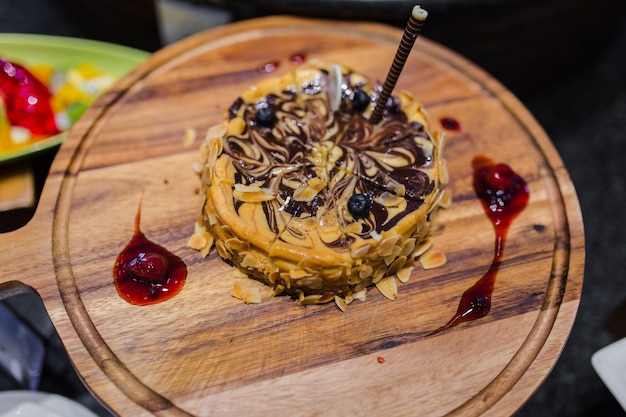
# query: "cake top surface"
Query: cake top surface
{"points": [[284, 137]]}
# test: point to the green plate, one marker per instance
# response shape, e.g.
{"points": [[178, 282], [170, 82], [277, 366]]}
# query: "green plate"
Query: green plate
{"points": [[64, 52]]}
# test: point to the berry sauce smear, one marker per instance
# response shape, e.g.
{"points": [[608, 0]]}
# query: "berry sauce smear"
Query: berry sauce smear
{"points": [[504, 195], [146, 273]]}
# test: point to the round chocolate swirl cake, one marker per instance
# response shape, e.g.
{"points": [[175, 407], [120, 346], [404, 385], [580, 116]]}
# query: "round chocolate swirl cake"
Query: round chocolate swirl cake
{"points": [[301, 192]]}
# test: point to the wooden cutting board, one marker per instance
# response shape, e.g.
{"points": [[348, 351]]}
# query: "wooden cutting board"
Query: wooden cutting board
{"points": [[204, 352]]}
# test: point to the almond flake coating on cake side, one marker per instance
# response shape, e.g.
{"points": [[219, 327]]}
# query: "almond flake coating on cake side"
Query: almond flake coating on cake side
{"points": [[278, 174]]}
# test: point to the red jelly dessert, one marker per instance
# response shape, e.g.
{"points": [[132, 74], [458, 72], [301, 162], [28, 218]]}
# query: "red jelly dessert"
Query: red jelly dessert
{"points": [[27, 100]]}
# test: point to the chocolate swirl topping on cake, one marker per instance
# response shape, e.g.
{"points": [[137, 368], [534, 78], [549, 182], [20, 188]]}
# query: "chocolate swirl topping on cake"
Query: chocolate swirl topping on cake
{"points": [[376, 160], [282, 171]]}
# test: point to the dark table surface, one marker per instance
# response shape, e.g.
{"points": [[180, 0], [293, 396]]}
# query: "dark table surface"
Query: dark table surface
{"points": [[583, 110]]}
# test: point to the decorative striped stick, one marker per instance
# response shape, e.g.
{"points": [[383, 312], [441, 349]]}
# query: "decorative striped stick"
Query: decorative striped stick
{"points": [[411, 31]]}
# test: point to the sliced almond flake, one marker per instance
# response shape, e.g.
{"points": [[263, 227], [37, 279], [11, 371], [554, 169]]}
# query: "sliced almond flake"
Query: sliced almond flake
{"points": [[423, 247], [360, 295], [436, 199], [354, 227], [248, 261], [354, 279], [334, 275], [396, 265], [334, 87], [190, 137], [214, 150], [446, 200], [389, 259], [309, 299], [316, 299], [330, 233], [275, 172], [317, 184], [252, 193], [397, 188], [226, 230], [365, 271], [388, 287], [386, 246], [397, 250], [405, 97], [371, 171], [204, 252], [439, 140], [306, 193], [309, 223], [327, 297], [432, 259], [408, 247], [375, 235], [216, 131], [363, 284], [252, 296], [221, 249], [196, 242], [279, 289], [298, 274], [379, 273], [204, 151], [243, 188], [360, 251], [444, 177], [238, 273], [249, 295], [427, 147], [341, 303], [273, 275], [236, 126], [199, 227], [201, 240], [404, 274], [237, 291], [236, 245], [388, 199]]}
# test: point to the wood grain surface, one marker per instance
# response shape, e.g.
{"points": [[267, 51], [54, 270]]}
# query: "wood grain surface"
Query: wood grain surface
{"points": [[205, 353]]}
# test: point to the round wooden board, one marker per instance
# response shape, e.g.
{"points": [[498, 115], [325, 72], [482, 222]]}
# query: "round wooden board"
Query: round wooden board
{"points": [[204, 352]]}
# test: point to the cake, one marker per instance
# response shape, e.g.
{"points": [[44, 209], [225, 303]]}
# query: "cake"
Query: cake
{"points": [[302, 193]]}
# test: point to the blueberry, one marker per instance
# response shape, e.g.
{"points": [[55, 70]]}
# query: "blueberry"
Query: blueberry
{"points": [[359, 205], [361, 100], [265, 117]]}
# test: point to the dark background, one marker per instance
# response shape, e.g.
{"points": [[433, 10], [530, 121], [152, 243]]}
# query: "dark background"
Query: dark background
{"points": [[565, 60]]}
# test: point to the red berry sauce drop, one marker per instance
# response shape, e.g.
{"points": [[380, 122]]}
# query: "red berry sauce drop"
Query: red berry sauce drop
{"points": [[27, 100], [146, 273], [449, 123], [297, 59], [503, 195]]}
